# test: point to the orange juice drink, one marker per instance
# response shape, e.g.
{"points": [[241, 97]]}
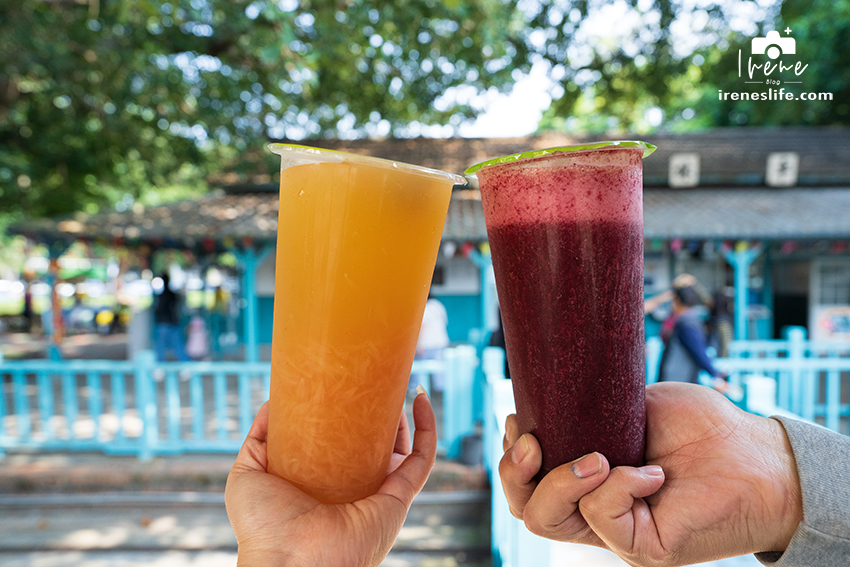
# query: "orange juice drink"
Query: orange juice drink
{"points": [[356, 247]]}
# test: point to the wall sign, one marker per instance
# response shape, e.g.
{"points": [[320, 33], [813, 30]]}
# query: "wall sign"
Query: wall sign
{"points": [[832, 323], [683, 170], [782, 169]]}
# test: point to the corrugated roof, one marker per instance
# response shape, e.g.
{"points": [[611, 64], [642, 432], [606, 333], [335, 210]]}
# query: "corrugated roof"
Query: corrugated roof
{"points": [[753, 213], [717, 213]]}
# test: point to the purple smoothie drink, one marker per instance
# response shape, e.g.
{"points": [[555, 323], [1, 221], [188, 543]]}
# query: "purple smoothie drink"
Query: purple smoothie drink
{"points": [[566, 235]]}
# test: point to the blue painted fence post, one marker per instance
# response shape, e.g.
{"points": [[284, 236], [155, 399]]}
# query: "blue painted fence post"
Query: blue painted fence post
{"points": [[833, 400], [740, 259], [493, 365], [249, 293], [251, 259], [493, 362], [654, 346], [3, 410], [461, 363], [145, 362], [802, 398], [21, 404], [69, 401], [489, 308], [44, 380]]}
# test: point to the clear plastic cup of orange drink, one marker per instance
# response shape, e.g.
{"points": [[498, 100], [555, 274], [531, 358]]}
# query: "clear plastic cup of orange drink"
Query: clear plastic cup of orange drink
{"points": [[356, 248]]}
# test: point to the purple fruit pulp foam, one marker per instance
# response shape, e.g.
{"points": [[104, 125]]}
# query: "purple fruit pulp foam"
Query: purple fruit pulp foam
{"points": [[566, 236]]}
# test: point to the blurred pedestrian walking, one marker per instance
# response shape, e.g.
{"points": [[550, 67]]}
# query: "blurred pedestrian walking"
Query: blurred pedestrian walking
{"points": [[197, 343], [433, 337], [28, 313], [684, 353], [167, 323], [218, 317], [720, 330]]}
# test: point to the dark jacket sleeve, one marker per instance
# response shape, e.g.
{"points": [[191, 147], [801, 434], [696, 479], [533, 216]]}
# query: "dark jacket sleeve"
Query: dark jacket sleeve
{"points": [[694, 342], [823, 537]]}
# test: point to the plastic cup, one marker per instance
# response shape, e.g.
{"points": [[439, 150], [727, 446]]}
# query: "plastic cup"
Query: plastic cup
{"points": [[565, 227], [356, 248]]}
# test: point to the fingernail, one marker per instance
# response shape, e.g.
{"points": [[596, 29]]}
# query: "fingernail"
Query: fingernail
{"points": [[420, 390], [520, 450], [588, 465], [652, 470]]}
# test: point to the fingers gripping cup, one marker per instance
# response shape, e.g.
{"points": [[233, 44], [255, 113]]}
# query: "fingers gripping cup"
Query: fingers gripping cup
{"points": [[565, 227], [356, 247]]}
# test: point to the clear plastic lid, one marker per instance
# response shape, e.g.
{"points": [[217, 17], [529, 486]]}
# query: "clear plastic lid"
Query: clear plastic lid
{"points": [[293, 154], [647, 149]]}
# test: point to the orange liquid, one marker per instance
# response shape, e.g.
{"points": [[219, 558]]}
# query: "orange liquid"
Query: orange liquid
{"points": [[355, 254]]}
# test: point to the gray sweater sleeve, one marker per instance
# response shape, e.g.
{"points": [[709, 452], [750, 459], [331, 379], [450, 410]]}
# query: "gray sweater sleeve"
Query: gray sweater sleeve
{"points": [[823, 463]]}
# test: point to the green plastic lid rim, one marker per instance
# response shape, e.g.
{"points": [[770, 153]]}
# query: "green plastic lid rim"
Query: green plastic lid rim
{"points": [[647, 150]]}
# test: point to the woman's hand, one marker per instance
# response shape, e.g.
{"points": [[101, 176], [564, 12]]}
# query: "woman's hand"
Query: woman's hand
{"points": [[719, 482], [276, 524]]}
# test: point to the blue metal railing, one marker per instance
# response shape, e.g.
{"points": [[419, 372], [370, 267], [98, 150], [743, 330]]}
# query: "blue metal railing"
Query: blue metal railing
{"points": [[511, 543], [129, 407], [147, 408]]}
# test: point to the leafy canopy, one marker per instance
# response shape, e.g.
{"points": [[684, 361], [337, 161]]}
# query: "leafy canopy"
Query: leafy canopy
{"points": [[103, 101], [117, 101]]}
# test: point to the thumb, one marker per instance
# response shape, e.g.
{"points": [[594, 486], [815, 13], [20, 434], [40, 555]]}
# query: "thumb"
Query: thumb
{"points": [[408, 479]]}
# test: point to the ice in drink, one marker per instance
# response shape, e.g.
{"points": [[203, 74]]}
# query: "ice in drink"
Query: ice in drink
{"points": [[357, 243], [566, 235]]}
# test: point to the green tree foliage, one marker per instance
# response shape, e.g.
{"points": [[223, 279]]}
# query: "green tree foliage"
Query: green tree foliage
{"points": [[674, 58], [120, 101], [103, 100], [821, 30]]}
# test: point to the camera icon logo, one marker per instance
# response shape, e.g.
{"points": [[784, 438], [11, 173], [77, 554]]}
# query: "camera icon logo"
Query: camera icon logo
{"points": [[774, 45]]}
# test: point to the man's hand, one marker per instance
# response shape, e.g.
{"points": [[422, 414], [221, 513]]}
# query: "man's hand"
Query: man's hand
{"points": [[276, 524], [719, 482]]}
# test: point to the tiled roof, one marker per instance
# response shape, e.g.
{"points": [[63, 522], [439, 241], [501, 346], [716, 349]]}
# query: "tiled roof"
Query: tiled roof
{"points": [[723, 213], [737, 205], [217, 218], [213, 218], [738, 156], [465, 220], [728, 156]]}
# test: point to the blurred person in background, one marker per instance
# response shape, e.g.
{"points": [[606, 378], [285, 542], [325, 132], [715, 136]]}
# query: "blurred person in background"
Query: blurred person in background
{"points": [[433, 337], [218, 317], [167, 323], [28, 313], [720, 331], [684, 353], [657, 305], [79, 318], [197, 342]]}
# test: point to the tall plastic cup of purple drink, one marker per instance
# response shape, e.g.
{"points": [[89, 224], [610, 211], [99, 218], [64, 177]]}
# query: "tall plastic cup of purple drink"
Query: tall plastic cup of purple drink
{"points": [[565, 227]]}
